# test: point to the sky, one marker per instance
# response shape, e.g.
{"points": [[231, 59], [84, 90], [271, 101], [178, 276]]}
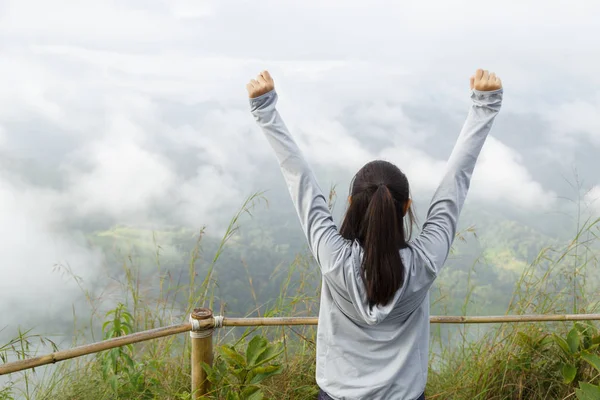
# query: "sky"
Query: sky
{"points": [[135, 112]]}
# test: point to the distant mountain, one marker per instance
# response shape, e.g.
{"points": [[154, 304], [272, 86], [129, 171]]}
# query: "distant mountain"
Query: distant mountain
{"points": [[489, 255]]}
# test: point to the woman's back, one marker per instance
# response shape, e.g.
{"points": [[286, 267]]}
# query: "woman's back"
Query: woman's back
{"points": [[367, 350], [379, 352]]}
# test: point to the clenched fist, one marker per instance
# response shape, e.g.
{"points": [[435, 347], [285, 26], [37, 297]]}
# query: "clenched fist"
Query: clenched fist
{"points": [[261, 85], [485, 81]]}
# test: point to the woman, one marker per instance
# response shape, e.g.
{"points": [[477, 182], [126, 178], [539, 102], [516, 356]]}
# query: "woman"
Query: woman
{"points": [[373, 334]]}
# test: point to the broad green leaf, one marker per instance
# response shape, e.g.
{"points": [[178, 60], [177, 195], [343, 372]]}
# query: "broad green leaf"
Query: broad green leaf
{"points": [[568, 373], [127, 328], [573, 340], [105, 368], [269, 355], [261, 373], [250, 389], [233, 357], [233, 396], [592, 359], [256, 396], [256, 347], [239, 373], [587, 391], [221, 369], [545, 341], [113, 383], [251, 392], [113, 358], [562, 343], [207, 368], [127, 359]]}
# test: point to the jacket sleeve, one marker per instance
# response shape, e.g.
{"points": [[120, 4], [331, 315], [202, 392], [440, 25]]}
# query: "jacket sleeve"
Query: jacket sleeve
{"points": [[311, 205], [439, 229]]}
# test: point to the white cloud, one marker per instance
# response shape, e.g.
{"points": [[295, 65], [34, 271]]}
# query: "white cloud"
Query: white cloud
{"points": [[192, 8], [99, 23], [83, 75], [209, 192], [576, 119], [501, 176], [327, 143], [148, 99], [423, 171], [124, 180], [592, 199], [32, 244], [21, 96]]}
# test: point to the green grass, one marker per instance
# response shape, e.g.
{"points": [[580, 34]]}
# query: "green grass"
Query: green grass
{"points": [[504, 361]]}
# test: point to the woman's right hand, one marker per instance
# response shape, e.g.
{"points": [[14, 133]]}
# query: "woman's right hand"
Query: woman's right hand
{"points": [[261, 85], [485, 81]]}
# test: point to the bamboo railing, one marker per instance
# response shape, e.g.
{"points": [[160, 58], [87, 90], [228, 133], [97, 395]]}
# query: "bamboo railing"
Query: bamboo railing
{"points": [[202, 324]]}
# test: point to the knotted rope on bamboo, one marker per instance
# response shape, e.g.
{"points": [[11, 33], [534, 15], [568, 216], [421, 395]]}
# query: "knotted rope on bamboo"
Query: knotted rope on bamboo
{"points": [[200, 330]]}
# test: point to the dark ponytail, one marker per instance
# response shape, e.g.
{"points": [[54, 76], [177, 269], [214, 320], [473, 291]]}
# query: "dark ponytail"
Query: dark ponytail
{"points": [[381, 266], [379, 195]]}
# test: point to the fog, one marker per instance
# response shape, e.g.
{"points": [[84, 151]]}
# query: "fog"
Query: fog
{"points": [[135, 113]]}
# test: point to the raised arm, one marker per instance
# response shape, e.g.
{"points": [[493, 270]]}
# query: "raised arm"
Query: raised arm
{"points": [[311, 205], [439, 229]]}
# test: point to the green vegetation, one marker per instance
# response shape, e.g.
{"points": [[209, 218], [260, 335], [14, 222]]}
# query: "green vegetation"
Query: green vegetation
{"points": [[257, 272], [236, 376]]}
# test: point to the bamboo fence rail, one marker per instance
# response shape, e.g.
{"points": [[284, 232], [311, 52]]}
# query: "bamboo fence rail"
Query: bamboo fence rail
{"points": [[202, 324]]}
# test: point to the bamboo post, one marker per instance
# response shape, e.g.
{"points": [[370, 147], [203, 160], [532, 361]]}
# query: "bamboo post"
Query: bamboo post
{"points": [[202, 351]]}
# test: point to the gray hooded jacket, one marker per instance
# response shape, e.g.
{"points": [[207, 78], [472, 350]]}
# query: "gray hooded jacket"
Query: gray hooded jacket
{"points": [[378, 352]]}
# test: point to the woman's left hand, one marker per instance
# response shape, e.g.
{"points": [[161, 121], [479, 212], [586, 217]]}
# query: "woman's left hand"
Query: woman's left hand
{"points": [[261, 85]]}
